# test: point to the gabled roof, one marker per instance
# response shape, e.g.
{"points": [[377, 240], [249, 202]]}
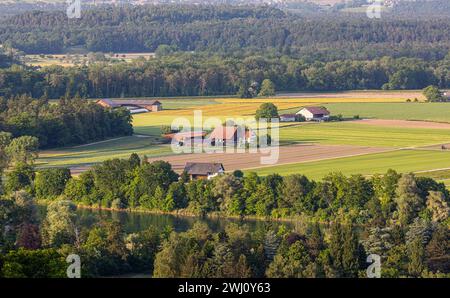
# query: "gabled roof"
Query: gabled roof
{"points": [[180, 136], [138, 102], [109, 102], [288, 115], [224, 132], [317, 110], [199, 168]]}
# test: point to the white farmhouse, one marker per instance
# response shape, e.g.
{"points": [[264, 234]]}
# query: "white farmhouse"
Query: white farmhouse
{"points": [[314, 113]]}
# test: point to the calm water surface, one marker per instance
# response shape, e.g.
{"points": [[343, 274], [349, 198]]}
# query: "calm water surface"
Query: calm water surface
{"points": [[137, 221]]}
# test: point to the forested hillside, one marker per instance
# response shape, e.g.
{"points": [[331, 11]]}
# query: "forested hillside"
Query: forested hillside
{"points": [[218, 28], [234, 46]]}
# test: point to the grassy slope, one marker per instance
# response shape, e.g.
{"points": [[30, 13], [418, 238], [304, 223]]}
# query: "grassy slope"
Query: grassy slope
{"points": [[118, 148], [401, 160]]}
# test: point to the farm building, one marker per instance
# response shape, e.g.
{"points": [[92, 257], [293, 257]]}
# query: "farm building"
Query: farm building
{"points": [[183, 138], [231, 135], [134, 106], [199, 171], [446, 95], [314, 113], [288, 118]]}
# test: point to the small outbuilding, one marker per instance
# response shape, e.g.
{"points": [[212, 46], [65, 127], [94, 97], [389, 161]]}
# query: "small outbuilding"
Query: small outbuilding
{"points": [[288, 118]]}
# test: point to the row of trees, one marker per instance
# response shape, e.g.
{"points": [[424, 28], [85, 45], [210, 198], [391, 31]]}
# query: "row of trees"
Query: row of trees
{"points": [[136, 184], [69, 122], [202, 74]]}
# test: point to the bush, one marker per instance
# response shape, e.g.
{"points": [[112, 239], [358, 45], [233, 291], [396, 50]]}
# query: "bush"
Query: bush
{"points": [[50, 183], [300, 118], [166, 129], [338, 117], [43, 263], [117, 204]]}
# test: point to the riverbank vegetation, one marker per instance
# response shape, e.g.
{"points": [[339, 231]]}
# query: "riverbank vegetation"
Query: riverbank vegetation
{"points": [[401, 217], [29, 248]]}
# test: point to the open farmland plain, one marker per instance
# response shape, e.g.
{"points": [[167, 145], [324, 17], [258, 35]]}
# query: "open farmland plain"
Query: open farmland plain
{"points": [[315, 149]]}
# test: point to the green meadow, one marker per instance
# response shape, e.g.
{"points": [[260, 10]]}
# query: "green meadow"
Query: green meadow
{"points": [[364, 135], [403, 111], [97, 152], [399, 160]]}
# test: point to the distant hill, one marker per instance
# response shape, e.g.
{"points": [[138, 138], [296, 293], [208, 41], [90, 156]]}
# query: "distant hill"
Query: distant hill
{"points": [[226, 29], [422, 8]]}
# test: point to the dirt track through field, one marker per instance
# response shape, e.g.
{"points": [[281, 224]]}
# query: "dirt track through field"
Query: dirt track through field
{"points": [[287, 155], [404, 123]]}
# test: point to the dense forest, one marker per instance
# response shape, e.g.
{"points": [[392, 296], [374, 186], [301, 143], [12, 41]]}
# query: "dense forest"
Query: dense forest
{"points": [[400, 217], [421, 9], [202, 74], [221, 29], [70, 122], [250, 44], [233, 47]]}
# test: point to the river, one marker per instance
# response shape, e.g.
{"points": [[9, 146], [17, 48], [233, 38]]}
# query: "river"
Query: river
{"points": [[137, 221]]}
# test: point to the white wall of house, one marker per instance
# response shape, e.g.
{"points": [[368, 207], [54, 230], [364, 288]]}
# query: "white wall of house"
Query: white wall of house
{"points": [[215, 174], [137, 111], [310, 116], [307, 114]]}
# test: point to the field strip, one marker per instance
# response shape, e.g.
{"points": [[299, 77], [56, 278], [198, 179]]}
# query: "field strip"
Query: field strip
{"points": [[96, 143], [433, 170], [287, 155], [326, 158], [369, 94], [290, 154], [403, 123]]}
